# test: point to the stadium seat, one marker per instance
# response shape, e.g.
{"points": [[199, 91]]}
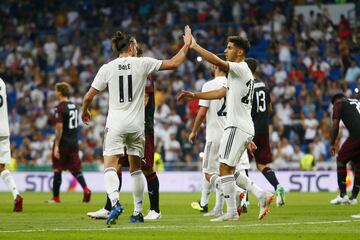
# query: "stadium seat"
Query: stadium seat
{"points": [[309, 86], [352, 86], [17, 139], [335, 74]]}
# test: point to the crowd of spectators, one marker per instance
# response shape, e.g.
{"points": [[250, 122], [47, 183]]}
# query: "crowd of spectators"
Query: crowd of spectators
{"points": [[304, 61]]}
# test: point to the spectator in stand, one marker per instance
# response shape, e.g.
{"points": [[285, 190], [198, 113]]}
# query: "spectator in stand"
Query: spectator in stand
{"points": [[352, 73], [283, 154], [310, 125]]}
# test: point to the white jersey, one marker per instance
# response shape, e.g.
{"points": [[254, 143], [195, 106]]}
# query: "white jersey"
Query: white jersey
{"points": [[216, 113], [240, 85], [126, 80], [4, 119]]}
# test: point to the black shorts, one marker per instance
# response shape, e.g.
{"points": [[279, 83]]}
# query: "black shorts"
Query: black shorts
{"points": [[263, 152], [69, 159], [350, 151], [148, 160]]}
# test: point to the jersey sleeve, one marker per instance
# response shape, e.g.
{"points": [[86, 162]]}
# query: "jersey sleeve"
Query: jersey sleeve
{"points": [[150, 64], [58, 115], [100, 82], [237, 68], [203, 102], [337, 110]]}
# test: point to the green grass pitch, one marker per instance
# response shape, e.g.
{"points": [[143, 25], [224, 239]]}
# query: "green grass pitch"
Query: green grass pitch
{"points": [[305, 216]]}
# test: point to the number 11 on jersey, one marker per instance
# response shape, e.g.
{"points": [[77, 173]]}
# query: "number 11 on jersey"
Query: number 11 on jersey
{"points": [[121, 88]]}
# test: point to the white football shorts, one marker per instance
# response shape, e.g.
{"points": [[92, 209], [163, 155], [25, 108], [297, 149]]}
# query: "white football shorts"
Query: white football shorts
{"points": [[233, 144], [115, 143], [211, 158], [5, 155]]}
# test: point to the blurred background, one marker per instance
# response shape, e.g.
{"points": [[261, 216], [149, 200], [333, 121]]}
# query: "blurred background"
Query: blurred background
{"points": [[307, 52]]}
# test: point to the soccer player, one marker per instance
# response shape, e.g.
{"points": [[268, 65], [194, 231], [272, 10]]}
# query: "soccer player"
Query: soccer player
{"points": [[5, 154], [125, 78], [147, 163], [260, 116], [215, 113], [348, 111], [239, 128], [65, 154]]}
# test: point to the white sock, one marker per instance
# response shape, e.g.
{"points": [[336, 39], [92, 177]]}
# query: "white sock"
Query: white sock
{"points": [[219, 200], [138, 191], [205, 192], [228, 187], [215, 181], [244, 182], [9, 181], [112, 183]]}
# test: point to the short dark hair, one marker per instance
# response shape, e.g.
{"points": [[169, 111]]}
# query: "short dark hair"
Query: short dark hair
{"points": [[337, 96], [120, 41], [252, 63], [139, 51], [221, 56], [240, 42], [63, 88]]}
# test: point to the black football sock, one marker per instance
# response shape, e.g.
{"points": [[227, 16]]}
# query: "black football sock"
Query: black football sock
{"points": [[108, 202], [56, 184], [80, 178], [341, 178], [247, 174], [356, 187], [153, 189], [269, 174], [120, 180]]}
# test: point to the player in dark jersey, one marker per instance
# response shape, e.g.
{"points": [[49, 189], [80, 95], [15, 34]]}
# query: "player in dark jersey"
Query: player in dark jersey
{"points": [[261, 108], [148, 161], [347, 111], [65, 155]]}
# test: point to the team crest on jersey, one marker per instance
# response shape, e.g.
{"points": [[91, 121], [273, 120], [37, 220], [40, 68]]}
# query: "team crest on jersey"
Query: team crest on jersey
{"points": [[148, 82]]}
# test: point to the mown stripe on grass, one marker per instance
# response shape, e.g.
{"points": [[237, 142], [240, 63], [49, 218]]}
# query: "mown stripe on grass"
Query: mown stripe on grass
{"points": [[174, 227]]}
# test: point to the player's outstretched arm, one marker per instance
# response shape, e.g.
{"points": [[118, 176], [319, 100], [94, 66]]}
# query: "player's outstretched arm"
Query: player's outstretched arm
{"points": [[210, 95], [333, 135], [209, 56], [88, 98], [179, 58], [200, 116]]}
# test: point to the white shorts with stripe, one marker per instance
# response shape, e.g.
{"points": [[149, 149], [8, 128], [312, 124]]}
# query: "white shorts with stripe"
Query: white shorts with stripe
{"points": [[244, 163], [115, 143], [5, 155], [211, 158], [233, 144]]}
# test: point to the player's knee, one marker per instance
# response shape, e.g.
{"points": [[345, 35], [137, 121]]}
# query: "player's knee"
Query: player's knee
{"points": [[226, 169], [340, 164], [148, 171], [208, 176], [2, 167]]}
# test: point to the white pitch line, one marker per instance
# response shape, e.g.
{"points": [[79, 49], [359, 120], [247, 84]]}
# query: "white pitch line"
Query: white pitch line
{"points": [[327, 222], [174, 227], [83, 229]]}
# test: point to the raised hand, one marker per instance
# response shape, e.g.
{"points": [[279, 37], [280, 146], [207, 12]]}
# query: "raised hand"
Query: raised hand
{"points": [[185, 95], [187, 36], [193, 42]]}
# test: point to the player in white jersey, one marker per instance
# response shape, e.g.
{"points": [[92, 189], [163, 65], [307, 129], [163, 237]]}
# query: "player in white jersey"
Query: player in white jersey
{"points": [[239, 128], [5, 154], [215, 113], [125, 78]]}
